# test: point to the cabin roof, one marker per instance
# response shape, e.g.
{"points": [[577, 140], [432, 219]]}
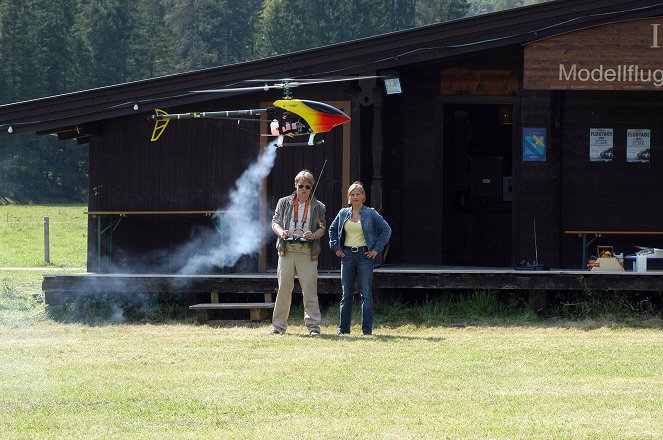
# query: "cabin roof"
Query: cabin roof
{"points": [[71, 115]]}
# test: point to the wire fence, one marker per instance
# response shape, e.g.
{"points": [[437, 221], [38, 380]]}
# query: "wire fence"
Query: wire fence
{"points": [[25, 240], [8, 225]]}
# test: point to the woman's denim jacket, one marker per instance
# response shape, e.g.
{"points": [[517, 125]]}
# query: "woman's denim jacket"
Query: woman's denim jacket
{"points": [[283, 214], [376, 230]]}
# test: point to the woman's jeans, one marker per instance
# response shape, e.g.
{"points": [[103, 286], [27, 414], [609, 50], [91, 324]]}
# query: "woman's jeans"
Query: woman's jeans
{"points": [[353, 264]]}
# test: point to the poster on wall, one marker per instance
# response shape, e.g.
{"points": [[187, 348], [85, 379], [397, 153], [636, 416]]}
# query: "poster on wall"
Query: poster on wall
{"points": [[600, 144], [534, 144], [638, 141]]}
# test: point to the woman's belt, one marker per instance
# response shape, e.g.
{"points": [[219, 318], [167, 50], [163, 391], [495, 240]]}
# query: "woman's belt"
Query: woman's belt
{"points": [[356, 249]]}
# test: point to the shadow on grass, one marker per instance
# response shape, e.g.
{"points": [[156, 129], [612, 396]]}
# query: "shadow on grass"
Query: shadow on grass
{"points": [[359, 338]]}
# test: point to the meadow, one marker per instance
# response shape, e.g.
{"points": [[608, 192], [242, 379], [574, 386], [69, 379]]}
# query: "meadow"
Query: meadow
{"points": [[179, 380], [22, 235], [441, 369]]}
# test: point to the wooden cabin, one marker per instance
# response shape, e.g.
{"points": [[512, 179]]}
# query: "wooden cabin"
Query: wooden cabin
{"points": [[516, 135]]}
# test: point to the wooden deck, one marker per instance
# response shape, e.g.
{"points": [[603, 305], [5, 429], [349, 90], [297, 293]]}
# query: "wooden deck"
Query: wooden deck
{"points": [[58, 287]]}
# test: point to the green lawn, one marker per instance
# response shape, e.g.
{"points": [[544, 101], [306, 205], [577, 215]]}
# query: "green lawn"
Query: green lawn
{"points": [[22, 235], [189, 381], [22, 246], [463, 369], [21, 297]]}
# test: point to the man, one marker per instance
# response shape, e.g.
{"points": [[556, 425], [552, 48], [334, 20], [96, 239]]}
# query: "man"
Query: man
{"points": [[299, 223]]}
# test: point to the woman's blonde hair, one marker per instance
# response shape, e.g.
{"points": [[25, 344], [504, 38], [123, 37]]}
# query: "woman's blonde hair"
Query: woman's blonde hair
{"points": [[356, 185]]}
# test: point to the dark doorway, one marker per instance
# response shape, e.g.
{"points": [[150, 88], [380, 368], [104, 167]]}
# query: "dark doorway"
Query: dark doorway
{"points": [[477, 158]]}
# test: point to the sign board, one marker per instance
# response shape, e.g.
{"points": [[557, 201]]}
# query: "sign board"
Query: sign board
{"points": [[638, 142], [625, 55], [534, 144], [600, 144]]}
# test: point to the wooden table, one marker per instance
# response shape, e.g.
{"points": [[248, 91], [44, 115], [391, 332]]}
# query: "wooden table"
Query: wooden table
{"points": [[587, 242]]}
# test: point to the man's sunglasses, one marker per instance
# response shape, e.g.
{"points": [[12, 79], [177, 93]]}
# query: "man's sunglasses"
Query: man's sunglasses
{"points": [[300, 186]]}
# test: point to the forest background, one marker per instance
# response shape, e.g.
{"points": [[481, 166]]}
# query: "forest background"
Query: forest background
{"points": [[52, 47]]}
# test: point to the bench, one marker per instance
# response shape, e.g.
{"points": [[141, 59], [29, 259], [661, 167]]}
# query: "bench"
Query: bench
{"points": [[258, 311]]}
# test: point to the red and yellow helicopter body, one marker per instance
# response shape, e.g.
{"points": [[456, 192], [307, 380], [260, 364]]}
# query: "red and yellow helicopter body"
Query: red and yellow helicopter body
{"points": [[320, 117]]}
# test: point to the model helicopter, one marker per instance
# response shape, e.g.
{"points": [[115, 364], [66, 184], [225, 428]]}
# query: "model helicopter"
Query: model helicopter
{"points": [[288, 116]]}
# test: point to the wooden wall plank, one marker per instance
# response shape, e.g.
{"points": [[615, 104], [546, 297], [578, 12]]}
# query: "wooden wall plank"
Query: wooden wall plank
{"points": [[486, 82]]}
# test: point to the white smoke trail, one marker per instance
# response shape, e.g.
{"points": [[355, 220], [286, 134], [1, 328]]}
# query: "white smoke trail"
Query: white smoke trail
{"points": [[240, 226]]}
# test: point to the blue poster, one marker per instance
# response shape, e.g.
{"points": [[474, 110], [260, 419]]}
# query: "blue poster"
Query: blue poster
{"points": [[534, 144]]}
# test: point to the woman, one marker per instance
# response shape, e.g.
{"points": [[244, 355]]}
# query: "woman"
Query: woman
{"points": [[357, 235]]}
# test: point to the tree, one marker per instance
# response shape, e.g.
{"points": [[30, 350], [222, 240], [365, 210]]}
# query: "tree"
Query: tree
{"points": [[55, 49], [213, 33], [403, 13], [457, 9], [488, 6], [107, 28], [39, 59], [152, 45], [434, 11], [293, 25], [18, 69], [38, 168]]}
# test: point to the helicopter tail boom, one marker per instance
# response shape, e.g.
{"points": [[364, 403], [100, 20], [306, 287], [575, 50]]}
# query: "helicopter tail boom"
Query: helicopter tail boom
{"points": [[160, 115], [161, 118]]}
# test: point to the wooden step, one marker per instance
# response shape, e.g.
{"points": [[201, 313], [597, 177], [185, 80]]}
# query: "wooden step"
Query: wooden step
{"points": [[233, 306], [257, 310]]}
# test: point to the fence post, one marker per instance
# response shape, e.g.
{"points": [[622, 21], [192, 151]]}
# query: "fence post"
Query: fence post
{"points": [[47, 250]]}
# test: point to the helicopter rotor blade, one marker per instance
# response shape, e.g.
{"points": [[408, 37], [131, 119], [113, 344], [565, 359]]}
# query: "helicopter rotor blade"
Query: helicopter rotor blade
{"points": [[306, 81], [238, 89], [285, 83]]}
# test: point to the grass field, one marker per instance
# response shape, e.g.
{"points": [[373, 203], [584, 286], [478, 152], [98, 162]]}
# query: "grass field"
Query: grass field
{"points": [[22, 235], [188, 381], [22, 246], [461, 369]]}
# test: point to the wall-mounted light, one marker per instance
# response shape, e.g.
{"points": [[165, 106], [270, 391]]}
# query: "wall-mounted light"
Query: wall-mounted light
{"points": [[505, 114], [136, 106], [10, 129], [392, 86]]}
